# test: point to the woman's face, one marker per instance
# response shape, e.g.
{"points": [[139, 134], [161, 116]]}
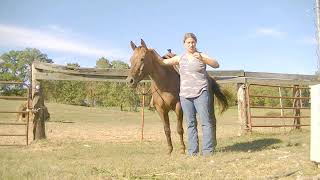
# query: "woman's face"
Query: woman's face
{"points": [[190, 45]]}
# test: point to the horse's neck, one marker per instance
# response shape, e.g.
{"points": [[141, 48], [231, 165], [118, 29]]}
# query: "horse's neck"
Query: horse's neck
{"points": [[160, 74]]}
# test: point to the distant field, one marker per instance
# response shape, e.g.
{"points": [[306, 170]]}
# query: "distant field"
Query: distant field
{"points": [[104, 143]]}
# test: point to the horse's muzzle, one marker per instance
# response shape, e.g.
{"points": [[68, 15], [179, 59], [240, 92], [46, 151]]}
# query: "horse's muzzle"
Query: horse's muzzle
{"points": [[132, 83]]}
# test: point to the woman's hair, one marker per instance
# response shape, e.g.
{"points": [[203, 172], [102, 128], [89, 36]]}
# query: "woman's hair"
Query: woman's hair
{"points": [[189, 35]]}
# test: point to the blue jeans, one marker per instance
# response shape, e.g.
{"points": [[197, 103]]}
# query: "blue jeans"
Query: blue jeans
{"points": [[203, 106]]}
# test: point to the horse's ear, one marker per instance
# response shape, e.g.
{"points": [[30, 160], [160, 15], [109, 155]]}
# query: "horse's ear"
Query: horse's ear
{"points": [[143, 44], [133, 46]]}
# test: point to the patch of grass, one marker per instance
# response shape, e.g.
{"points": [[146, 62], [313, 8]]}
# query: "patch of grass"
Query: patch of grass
{"points": [[105, 144]]}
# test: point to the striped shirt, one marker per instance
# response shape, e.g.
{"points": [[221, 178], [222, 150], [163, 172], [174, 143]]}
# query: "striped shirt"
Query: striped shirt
{"points": [[193, 77]]}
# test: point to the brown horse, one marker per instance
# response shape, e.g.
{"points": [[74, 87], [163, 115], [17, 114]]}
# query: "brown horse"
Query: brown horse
{"points": [[165, 87]]}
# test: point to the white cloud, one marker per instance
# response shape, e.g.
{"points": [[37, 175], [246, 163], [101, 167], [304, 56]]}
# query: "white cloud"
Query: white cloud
{"points": [[57, 28], [269, 32], [25, 37], [308, 41]]}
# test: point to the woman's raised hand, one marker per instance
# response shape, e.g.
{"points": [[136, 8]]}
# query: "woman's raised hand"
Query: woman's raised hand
{"points": [[197, 55]]}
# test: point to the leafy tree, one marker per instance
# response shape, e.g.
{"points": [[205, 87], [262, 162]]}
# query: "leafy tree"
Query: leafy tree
{"points": [[103, 63], [93, 93], [73, 65], [51, 90], [16, 66], [118, 64], [94, 89], [9, 66], [72, 92], [124, 95], [18, 63]]}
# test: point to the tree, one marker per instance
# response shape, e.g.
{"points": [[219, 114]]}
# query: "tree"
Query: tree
{"points": [[76, 65], [103, 63], [95, 88], [118, 64], [16, 66]]}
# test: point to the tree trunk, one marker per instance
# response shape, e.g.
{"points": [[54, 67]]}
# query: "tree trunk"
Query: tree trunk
{"points": [[39, 130]]}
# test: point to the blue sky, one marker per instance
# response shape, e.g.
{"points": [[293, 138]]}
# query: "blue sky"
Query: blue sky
{"points": [[252, 35]]}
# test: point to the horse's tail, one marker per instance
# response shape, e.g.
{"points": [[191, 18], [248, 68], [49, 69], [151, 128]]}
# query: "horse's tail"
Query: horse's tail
{"points": [[221, 94]]}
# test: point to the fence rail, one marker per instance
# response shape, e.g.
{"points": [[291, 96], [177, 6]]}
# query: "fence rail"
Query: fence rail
{"points": [[46, 71], [248, 118], [26, 124]]}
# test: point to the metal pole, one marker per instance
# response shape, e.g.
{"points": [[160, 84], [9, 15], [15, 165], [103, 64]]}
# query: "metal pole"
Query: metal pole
{"points": [[142, 111], [317, 9]]}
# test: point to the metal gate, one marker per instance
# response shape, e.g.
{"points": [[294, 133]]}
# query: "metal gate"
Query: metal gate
{"points": [[27, 112], [297, 106]]}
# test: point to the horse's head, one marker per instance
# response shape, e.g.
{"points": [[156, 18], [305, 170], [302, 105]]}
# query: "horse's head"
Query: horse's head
{"points": [[140, 63]]}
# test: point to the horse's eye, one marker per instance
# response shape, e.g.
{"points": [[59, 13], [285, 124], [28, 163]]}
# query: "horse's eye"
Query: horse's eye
{"points": [[142, 59]]}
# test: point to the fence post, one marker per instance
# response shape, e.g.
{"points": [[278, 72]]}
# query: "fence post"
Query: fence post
{"points": [[142, 110], [39, 131], [296, 104], [242, 109]]}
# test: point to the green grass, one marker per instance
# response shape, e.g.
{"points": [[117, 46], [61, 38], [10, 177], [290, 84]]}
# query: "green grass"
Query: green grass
{"points": [[99, 143]]}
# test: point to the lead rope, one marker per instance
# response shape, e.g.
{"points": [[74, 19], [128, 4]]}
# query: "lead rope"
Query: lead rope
{"points": [[148, 93]]}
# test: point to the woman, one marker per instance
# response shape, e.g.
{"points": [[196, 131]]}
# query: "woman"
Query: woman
{"points": [[194, 96]]}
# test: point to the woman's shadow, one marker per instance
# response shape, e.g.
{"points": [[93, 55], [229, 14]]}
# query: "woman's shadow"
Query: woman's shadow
{"points": [[256, 145]]}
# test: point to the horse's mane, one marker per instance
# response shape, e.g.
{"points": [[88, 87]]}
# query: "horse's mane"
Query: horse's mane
{"points": [[157, 54], [159, 58]]}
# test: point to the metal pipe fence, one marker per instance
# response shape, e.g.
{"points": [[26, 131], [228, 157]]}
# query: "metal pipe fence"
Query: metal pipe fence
{"points": [[297, 105], [27, 113]]}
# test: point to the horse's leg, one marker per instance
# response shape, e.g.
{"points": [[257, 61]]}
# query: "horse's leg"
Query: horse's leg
{"points": [[166, 125], [179, 114]]}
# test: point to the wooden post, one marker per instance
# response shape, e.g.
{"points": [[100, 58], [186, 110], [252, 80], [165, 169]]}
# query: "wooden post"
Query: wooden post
{"points": [[249, 124], [242, 109], [296, 104], [142, 111], [281, 104], [39, 131]]}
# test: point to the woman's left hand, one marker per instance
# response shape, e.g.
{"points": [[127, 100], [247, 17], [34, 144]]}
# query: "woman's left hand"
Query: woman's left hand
{"points": [[198, 56], [206, 59]]}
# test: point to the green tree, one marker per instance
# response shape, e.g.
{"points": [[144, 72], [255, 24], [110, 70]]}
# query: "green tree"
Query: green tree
{"points": [[95, 90], [73, 65], [16, 66], [123, 95], [118, 64], [18, 63], [72, 92], [103, 63]]}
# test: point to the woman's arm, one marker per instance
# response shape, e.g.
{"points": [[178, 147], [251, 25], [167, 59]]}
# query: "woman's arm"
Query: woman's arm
{"points": [[206, 59], [171, 61]]}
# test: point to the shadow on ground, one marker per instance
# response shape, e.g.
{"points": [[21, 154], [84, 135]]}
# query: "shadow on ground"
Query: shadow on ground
{"points": [[256, 145]]}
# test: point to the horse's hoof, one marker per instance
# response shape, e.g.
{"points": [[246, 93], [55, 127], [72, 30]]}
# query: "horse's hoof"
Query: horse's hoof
{"points": [[182, 151]]}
